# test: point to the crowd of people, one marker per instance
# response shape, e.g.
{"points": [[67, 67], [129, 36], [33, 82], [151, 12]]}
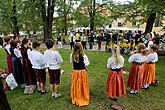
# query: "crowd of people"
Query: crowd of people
{"points": [[28, 64], [126, 40]]}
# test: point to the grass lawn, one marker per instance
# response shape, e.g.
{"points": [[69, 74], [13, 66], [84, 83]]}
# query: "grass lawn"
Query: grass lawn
{"points": [[154, 99]]}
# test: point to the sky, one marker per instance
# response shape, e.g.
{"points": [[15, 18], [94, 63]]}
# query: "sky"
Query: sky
{"points": [[123, 1]]}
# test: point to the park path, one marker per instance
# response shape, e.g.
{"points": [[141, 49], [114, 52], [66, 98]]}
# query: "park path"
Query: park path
{"points": [[95, 47]]}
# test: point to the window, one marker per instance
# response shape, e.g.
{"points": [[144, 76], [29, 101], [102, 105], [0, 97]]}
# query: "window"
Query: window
{"points": [[119, 24]]}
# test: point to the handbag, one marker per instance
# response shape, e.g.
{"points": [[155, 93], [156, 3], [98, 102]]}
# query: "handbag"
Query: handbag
{"points": [[11, 81]]}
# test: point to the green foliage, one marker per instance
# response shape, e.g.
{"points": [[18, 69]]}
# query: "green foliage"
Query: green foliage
{"points": [[140, 10]]}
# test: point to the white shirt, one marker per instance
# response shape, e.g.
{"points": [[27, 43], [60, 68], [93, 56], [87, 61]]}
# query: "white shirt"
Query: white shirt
{"points": [[150, 43], [83, 38], [17, 53], [152, 57], [70, 38], [86, 60], [111, 63], [28, 53], [7, 47], [37, 59], [138, 58], [53, 59]]}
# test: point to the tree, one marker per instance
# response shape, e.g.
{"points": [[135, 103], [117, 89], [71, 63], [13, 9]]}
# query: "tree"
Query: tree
{"points": [[147, 10], [93, 10], [47, 17]]}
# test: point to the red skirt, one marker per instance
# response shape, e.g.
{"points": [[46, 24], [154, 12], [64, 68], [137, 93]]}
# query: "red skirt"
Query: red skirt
{"points": [[135, 78], [9, 65], [115, 84]]}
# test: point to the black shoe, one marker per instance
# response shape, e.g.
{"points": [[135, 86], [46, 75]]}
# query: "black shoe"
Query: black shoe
{"points": [[114, 99], [44, 92]]}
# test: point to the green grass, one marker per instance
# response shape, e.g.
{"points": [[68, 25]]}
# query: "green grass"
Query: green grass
{"points": [[154, 99]]}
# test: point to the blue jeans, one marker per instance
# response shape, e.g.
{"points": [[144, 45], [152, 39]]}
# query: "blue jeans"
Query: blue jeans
{"points": [[90, 45]]}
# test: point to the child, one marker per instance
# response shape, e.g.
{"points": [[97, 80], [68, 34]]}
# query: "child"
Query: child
{"points": [[53, 60], [38, 64], [29, 75], [136, 71], [149, 72], [115, 86], [79, 85], [8, 57], [16, 61]]}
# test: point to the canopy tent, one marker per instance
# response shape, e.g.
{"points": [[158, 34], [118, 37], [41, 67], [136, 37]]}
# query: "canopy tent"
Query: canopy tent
{"points": [[124, 29]]}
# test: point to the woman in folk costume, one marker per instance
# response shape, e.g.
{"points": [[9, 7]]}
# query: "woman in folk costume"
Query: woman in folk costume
{"points": [[135, 78], [8, 57], [149, 72], [16, 61], [115, 86], [29, 75], [79, 85]]}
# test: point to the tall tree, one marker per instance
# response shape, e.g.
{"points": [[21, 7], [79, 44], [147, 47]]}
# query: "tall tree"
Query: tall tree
{"points": [[14, 20], [93, 10], [143, 11], [47, 17]]}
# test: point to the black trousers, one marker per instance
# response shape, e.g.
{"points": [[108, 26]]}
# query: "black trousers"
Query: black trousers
{"points": [[71, 45]]}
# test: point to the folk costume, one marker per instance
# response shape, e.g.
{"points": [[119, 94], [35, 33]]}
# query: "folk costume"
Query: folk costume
{"points": [[149, 71], [135, 78], [17, 65], [115, 86], [8, 58], [29, 75], [79, 84]]}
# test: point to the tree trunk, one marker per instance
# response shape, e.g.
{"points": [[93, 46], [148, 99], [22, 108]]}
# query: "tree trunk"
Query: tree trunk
{"points": [[65, 19], [47, 18], [92, 23], [150, 23], [92, 16], [14, 21]]}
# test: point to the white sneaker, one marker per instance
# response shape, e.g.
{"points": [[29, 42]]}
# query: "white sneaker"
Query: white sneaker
{"points": [[57, 95], [53, 94]]}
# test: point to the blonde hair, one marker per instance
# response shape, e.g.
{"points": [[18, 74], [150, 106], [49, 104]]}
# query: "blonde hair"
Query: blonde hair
{"points": [[77, 52], [140, 46], [116, 54]]}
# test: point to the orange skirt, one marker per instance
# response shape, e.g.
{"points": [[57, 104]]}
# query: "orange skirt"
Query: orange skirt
{"points": [[135, 77], [149, 73], [115, 86], [79, 88]]}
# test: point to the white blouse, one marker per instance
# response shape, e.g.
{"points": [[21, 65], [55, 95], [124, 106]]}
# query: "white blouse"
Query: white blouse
{"points": [[138, 58], [17, 53], [53, 59], [86, 60], [150, 43], [7, 47], [152, 57], [37, 60], [111, 63]]}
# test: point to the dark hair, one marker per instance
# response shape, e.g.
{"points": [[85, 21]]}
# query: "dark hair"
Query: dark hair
{"points": [[49, 43], [36, 44], [24, 41], [13, 43], [1, 41], [7, 39]]}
